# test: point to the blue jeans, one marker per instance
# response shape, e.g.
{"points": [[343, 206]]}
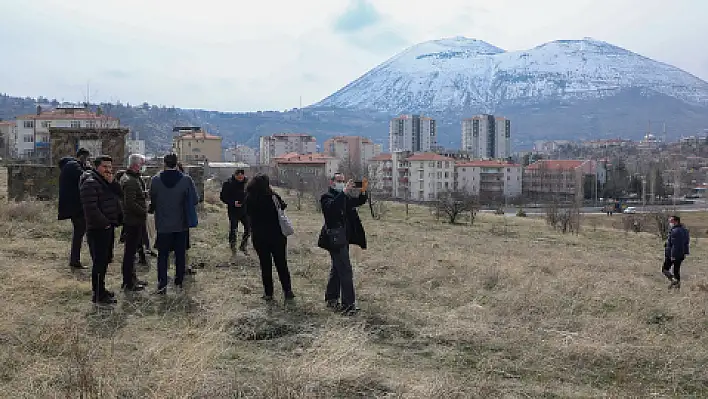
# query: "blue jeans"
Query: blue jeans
{"points": [[166, 243]]}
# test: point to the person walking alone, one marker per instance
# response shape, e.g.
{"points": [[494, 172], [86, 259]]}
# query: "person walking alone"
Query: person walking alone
{"points": [[342, 227], [268, 239], [135, 216], [102, 211], [171, 192], [233, 193], [675, 251], [70, 173]]}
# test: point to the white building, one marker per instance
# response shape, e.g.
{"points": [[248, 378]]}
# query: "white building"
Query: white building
{"points": [[135, 147], [353, 150], [381, 173], [489, 179], [413, 133], [487, 136], [242, 153], [421, 176], [33, 130], [280, 144]]}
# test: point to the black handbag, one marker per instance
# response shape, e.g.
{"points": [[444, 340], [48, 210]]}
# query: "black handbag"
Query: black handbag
{"points": [[333, 238]]}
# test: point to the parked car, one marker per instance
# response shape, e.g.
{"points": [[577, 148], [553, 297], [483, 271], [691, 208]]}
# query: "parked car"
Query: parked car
{"points": [[630, 209]]}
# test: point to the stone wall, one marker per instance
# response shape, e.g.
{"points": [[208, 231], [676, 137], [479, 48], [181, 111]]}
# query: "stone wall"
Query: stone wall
{"points": [[65, 142], [41, 182], [32, 182]]}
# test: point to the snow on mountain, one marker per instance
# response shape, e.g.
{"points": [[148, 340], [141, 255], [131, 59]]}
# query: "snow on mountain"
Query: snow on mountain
{"points": [[456, 74]]}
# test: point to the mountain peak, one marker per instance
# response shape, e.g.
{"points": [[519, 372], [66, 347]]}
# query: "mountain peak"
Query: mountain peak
{"points": [[452, 47], [459, 73]]}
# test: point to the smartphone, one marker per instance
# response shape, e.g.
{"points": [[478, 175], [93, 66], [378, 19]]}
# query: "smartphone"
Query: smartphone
{"points": [[358, 184]]}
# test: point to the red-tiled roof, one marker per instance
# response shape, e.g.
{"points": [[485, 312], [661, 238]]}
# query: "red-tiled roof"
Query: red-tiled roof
{"points": [[198, 136], [63, 115], [381, 157], [303, 159], [556, 164], [486, 164], [428, 156]]}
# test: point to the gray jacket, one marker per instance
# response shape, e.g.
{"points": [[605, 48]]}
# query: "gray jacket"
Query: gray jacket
{"points": [[169, 191]]}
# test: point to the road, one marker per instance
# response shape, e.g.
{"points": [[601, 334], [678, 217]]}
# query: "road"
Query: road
{"points": [[596, 210]]}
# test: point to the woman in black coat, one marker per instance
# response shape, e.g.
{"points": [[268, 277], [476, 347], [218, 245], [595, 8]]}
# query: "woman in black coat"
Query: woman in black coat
{"points": [[266, 235]]}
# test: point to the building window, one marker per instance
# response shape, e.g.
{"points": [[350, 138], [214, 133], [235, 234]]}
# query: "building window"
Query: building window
{"points": [[91, 124], [28, 138], [75, 124], [431, 164], [46, 124], [29, 124], [508, 178]]}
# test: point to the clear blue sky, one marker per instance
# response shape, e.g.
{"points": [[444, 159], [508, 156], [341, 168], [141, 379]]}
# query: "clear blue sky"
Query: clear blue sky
{"points": [[243, 55]]}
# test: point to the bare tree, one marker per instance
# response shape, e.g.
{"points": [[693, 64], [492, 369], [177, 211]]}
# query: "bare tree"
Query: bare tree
{"points": [[453, 204]]}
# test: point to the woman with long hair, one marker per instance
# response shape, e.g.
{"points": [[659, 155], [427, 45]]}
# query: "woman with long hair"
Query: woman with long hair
{"points": [[267, 237]]}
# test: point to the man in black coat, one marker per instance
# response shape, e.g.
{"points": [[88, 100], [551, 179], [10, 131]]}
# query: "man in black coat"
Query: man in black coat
{"points": [[70, 173], [339, 205], [675, 251], [100, 199], [233, 193]]}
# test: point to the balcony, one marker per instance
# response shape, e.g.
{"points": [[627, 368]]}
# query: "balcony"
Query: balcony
{"points": [[403, 179], [41, 144]]}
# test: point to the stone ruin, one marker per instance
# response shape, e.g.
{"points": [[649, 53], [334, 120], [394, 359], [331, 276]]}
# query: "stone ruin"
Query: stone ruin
{"points": [[66, 141]]}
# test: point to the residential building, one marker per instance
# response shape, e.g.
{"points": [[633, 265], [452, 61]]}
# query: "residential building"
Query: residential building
{"points": [[7, 139], [244, 154], [487, 136], [489, 179], [354, 152], [414, 133], [307, 168], [280, 144], [381, 175], [562, 180], [422, 176], [33, 130], [133, 144], [193, 145]]}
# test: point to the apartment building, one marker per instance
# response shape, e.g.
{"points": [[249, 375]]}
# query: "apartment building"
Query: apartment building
{"points": [[414, 133], [422, 176], [354, 151], [7, 139], [562, 180], [244, 154], [381, 175], [278, 145], [487, 136], [313, 168], [490, 180], [32, 131], [193, 145]]}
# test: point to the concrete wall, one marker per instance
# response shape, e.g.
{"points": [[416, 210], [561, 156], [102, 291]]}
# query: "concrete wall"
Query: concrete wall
{"points": [[41, 182]]}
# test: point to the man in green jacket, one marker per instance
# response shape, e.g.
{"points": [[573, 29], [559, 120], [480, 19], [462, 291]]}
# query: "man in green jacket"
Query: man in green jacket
{"points": [[134, 218]]}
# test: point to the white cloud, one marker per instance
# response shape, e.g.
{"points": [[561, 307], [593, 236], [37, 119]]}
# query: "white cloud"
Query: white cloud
{"points": [[249, 55]]}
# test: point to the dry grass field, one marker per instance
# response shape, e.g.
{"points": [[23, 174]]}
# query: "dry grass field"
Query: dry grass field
{"points": [[500, 308]]}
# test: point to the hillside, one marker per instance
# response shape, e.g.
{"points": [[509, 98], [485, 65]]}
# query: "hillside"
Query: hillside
{"points": [[502, 308]]}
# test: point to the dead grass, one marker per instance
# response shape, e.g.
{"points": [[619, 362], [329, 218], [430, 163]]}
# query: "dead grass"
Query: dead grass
{"points": [[501, 308]]}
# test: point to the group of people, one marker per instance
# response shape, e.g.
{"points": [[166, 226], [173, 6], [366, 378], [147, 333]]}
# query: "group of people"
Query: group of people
{"points": [[97, 201]]}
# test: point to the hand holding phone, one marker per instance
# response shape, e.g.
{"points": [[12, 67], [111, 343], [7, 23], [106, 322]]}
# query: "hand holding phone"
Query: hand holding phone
{"points": [[237, 204]]}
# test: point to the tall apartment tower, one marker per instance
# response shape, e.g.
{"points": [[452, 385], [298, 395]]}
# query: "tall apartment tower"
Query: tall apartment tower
{"points": [[487, 136], [414, 133]]}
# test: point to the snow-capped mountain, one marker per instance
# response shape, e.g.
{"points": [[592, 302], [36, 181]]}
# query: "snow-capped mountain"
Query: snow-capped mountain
{"points": [[460, 74]]}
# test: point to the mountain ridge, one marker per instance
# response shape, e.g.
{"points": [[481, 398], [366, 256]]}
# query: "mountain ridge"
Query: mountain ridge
{"points": [[444, 74]]}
